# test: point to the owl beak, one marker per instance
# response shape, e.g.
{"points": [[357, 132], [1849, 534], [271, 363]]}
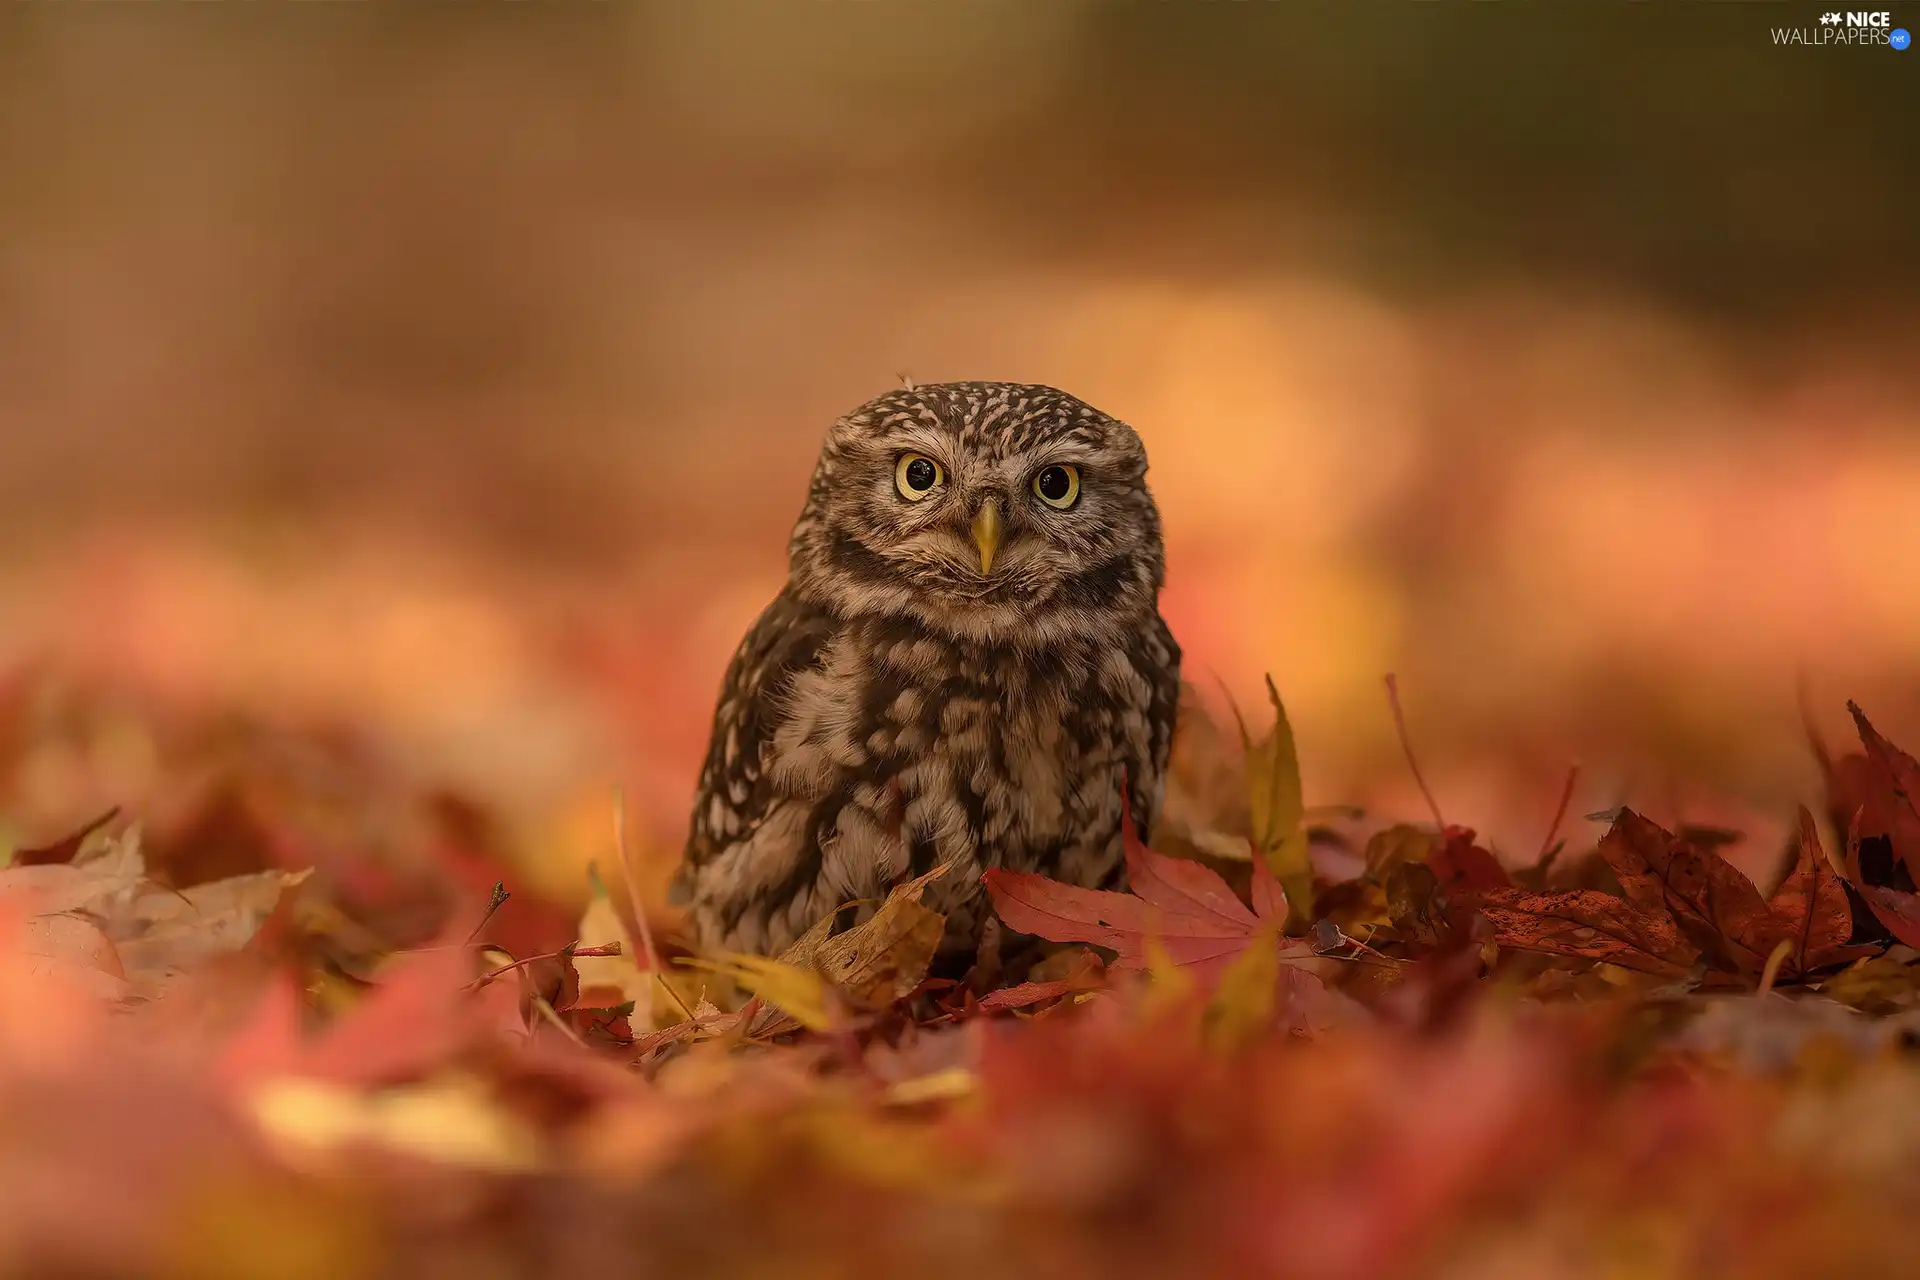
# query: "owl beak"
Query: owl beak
{"points": [[986, 534]]}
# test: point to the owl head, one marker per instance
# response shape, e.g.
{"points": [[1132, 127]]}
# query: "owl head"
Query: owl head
{"points": [[984, 509]]}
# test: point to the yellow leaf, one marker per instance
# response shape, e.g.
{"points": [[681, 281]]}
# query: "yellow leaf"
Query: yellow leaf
{"points": [[800, 993], [1171, 986], [1395, 846], [1277, 809], [621, 975], [453, 1120], [1243, 1004], [941, 1086], [877, 961]]}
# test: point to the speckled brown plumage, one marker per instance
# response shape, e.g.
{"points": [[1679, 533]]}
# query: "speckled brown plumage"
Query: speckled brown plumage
{"points": [[915, 696]]}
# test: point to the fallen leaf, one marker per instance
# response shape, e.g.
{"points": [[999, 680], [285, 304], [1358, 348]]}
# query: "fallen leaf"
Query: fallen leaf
{"points": [[1182, 908], [1395, 846], [1462, 865], [1277, 808], [1719, 910], [62, 850], [71, 952], [1241, 1007], [1588, 924], [1893, 780], [1027, 994], [1811, 905], [884, 957], [798, 991], [880, 960], [1415, 905], [418, 1016], [450, 1120], [1899, 912], [610, 981]]}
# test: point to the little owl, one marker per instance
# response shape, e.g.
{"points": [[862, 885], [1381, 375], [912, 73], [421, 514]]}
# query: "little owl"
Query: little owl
{"points": [[966, 661]]}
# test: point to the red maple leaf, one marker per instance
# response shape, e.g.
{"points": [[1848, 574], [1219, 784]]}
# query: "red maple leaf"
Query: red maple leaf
{"points": [[1184, 906], [1461, 864], [1681, 904], [1812, 905], [1893, 777], [1875, 796]]}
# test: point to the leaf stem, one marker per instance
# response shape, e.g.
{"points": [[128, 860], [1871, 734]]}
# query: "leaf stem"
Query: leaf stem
{"points": [[1406, 745], [639, 910], [1560, 813]]}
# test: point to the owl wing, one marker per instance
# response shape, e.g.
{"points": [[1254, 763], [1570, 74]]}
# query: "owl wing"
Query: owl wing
{"points": [[1159, 660], [736, 794]]}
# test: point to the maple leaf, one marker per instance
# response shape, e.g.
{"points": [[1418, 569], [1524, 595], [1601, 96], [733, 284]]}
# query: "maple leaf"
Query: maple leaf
{"points": [[1183, 907], [1461, 864], [1086, 976], [154, 933], [1588, 924], [1277, 807], [1683, 905], [1891, 803], [1719, 910], [1811, 905]]}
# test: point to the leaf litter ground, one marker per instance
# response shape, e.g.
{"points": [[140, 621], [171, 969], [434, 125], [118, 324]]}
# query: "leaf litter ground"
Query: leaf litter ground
{"points": [[240, 1042]]}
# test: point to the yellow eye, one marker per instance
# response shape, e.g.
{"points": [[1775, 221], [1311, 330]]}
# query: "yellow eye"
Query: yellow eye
{"points": [[916, 476], [1058, 485]]}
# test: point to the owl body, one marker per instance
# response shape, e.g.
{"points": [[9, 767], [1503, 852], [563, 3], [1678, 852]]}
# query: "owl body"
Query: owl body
{"points": [[966, 663]]}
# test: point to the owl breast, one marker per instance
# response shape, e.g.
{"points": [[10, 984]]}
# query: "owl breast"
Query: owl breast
{"points": [[906, 750]]}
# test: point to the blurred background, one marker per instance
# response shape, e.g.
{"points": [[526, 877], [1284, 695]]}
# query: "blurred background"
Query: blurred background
{"points": [[450, 375]]}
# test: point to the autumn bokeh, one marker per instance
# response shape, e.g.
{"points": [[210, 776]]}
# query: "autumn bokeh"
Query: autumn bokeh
{"points": [[456, 372]]}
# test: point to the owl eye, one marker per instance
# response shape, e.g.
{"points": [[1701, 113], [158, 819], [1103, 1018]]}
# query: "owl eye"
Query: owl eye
{"points": [[1058, 486], [916, 476]]}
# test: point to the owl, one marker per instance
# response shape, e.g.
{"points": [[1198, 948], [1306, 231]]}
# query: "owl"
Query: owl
{"points": [[965, 666]]}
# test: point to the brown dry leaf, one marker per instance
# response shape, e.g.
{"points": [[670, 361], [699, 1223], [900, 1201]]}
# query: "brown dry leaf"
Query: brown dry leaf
{"points": [[1588, 924], [1414, 903], [1893, 778], [1811, 905], [872, 964], [155, 932], [71, 952], [1899, 912], [162, 933], [1718, 909], [887, 956], [1395, 846]]}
